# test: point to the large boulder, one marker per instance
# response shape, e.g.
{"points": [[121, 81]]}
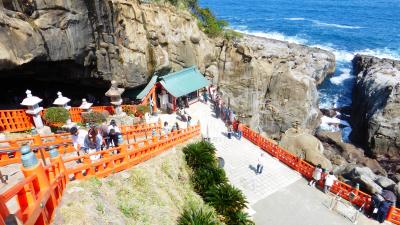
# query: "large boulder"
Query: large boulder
{"points": [[367, 184], [273, 83], [306, 146], [376, 110], [385, 182], [336, 149], [352, 172]]}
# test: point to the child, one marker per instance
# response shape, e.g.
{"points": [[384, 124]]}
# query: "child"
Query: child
{"points": [[329, 180], [316, 175]]}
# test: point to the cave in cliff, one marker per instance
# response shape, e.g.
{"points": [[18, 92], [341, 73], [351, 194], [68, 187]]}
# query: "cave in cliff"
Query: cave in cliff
{"points": [[45, 79]]}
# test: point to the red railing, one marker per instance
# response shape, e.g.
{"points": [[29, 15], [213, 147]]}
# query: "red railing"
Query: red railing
{"points": [[347, 192], [15, 120], [18, 120], [10, 153], [40, 192]]}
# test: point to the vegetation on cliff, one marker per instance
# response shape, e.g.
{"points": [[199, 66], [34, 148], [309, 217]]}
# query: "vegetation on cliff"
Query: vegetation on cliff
{"points": [[207, 21]]}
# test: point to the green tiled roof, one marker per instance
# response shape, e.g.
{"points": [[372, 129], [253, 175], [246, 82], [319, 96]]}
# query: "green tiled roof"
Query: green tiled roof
{"points": [[147, 89], [184, 81]]}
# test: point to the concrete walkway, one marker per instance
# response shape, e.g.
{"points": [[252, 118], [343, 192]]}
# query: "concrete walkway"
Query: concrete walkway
{"points": [[279, 196]]}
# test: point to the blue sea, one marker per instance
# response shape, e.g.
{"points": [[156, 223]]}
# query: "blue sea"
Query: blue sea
{"points": [[344, 27]]}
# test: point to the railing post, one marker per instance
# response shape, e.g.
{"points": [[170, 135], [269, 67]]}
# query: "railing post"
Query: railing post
{"points": [[389, 215], [31, 166], [55, 158]]}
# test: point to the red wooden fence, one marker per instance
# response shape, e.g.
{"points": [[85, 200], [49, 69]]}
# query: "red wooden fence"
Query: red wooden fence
{"points": [[306, 169]]}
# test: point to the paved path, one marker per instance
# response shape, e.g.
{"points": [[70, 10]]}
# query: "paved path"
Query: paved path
{"points": [[279, 196]]}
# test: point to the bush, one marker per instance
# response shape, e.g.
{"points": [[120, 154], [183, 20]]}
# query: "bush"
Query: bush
{"points": [[241, 218], [204, 178], [198, 216], [226, 199], [196, 156], [230, 34], [128, 111], [210, 181], [212, 26], [94, 117], [142, 109], [56, 115]]}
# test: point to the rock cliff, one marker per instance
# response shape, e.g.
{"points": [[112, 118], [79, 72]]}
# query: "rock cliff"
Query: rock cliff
{"points": [[376, 108], [271, 83]]}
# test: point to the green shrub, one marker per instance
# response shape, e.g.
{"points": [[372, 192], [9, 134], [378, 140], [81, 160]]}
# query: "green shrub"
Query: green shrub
{"points": [[212, 26], [94, 117], [226, 199], [230, 34], [128, 111], [56, 115], [241, 218], [200, 154], [198, 216], [204, 178], [143, 109]]}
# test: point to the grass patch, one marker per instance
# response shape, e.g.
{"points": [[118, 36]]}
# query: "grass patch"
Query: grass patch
{"points": [[154, 192]]}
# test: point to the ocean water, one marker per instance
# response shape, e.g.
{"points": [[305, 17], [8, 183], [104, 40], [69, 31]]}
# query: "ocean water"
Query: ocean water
{"points": [[344, 27]]}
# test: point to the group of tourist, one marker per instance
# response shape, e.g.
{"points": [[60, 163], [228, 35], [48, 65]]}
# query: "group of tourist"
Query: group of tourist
{"points": [[224, 112], [96, 138], [317, 176]]}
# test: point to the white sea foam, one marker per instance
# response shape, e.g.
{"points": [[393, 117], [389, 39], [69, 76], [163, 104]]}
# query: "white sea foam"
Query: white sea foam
{"points": [[344, 75], [341, 55], [322, 24], [294, 18], [381, 53]]}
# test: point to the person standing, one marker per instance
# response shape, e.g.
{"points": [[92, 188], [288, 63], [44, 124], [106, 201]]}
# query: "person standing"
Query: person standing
{"points": [[189, 121], [316, 175], [205, 96], [230, 129], [329, 180], [260, 163], [239, 130]]}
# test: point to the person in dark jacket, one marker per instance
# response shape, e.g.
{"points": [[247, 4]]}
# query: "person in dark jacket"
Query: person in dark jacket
{"points": [[383, 211]]}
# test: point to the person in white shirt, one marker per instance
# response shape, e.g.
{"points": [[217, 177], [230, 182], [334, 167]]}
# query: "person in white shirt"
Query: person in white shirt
{"points": [[78, 138], [113, 133], [260, 163], [316, 175], [329, 181]]}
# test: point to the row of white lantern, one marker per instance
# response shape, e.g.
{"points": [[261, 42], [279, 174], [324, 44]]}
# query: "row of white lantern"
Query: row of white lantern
{"points": [[32, 102]]}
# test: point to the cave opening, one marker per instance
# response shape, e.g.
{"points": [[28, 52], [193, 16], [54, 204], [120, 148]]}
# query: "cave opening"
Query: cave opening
{"points": [[45, 79]]}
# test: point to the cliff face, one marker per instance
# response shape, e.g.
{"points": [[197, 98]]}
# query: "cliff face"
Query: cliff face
{"points": [[376, 108], [273, 83]]}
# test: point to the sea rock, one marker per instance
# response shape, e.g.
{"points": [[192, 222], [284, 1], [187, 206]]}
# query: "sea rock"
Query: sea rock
{"points": [[274, 86], [305, 146], [397, 190], [396, 177], [385, 182], [352, 172], [328, 112], [367, 184], [334, 147], [376, 110]]}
